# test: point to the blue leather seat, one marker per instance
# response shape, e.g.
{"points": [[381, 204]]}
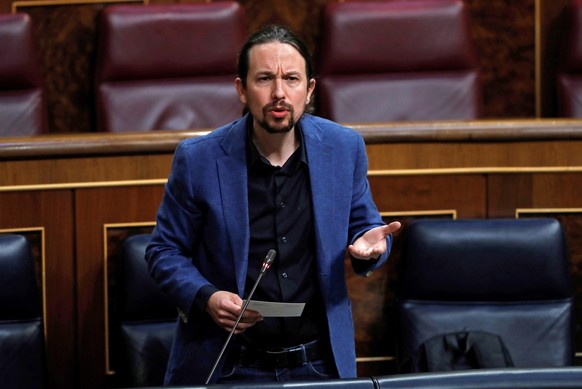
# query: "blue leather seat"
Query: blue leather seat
{"points": [[147, 319], [506, 277], [22, 343]]}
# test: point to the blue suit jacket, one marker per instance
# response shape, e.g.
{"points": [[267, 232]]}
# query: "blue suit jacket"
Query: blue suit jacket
{"points": [[202, 234]]}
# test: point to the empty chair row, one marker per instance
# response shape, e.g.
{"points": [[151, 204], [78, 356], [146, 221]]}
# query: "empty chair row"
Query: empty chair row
{"points": [[172, 66], [473, 294]]}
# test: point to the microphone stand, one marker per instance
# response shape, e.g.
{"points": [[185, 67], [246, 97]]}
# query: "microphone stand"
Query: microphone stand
{"points": [[266, 264]]}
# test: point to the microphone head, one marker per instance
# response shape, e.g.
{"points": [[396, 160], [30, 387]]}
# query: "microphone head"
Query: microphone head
{"points": [[269, 259]]}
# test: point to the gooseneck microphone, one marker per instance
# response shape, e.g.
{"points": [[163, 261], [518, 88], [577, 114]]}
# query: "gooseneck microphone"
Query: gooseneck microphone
{"points": [[267, 262]]}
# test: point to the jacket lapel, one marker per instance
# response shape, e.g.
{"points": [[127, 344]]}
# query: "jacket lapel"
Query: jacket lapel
{"points": [[232, 175], [320, 159]]}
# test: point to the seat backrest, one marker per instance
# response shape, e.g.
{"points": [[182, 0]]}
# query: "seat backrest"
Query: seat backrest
{"points": [[147, 318], [22, 101], [22, 344], [397, 60], [506, 277], [569, 75], [168, 66]]}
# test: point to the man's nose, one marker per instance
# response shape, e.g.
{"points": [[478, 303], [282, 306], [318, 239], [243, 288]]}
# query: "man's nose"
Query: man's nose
{"points": [[278, 92]]}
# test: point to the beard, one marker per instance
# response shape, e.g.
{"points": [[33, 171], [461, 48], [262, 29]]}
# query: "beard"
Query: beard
{"points": [[276, 125]]}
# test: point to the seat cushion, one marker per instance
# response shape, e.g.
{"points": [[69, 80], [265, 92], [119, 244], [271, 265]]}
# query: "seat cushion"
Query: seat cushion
{"points": [[536, 334], [400, 97], [147, 347]]}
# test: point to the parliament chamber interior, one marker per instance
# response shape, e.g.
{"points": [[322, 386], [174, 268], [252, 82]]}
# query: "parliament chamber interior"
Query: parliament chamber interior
{"points": [[471, 111]]}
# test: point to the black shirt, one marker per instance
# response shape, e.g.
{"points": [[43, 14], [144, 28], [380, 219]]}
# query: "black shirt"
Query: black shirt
{"points": [[280, 217]]}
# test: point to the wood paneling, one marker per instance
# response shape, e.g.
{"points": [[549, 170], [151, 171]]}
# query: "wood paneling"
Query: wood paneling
{"points": [[508, 192], [95, 208], [52, 211], [465, 194], [504, 36]]}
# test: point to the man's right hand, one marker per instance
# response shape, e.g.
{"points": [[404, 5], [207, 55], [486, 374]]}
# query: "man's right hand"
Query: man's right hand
{"points": [[224, 308]]}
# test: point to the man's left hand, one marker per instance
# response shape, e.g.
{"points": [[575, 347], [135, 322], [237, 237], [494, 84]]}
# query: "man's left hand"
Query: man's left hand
{"points": [[373, 243]]}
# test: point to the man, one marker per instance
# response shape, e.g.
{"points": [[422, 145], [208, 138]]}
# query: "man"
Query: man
{"points": [[275, 179]]}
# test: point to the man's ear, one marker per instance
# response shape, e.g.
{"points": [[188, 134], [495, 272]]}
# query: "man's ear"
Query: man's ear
{"points": [[240, 89], [310, 89]]}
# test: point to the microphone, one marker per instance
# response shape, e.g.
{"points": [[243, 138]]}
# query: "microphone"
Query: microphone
{"points": [[267, 262]]}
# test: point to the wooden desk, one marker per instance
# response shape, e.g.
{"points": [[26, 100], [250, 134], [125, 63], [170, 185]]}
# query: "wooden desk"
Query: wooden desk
{"points": [[78, 196]]}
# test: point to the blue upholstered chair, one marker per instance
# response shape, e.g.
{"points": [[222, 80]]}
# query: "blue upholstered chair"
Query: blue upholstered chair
{"points": [[147, 319], [22, 343], [503, 277]]}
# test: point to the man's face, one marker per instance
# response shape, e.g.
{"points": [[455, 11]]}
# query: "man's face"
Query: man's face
{"points": [[277, 89]]}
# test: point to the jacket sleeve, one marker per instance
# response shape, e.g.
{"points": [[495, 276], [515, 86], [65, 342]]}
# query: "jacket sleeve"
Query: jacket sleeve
{"points": [[364, 214], [178, 229]]}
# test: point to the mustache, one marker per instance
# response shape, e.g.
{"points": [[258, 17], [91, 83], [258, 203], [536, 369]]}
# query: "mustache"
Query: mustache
{"points": [[278, 104]]}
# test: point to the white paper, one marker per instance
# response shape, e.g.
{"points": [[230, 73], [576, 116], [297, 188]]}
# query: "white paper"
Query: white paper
{"points": [[270, 309]]}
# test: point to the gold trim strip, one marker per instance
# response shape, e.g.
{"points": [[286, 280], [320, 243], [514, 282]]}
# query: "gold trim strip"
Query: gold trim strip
{"points": [[371, 173], [41, 3], [132, 224], [432, 212], [42, 266], [24, 229], [475, 170], [375, 359], [83, 185], [108, 370], [107, 226], [519, 211]]}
